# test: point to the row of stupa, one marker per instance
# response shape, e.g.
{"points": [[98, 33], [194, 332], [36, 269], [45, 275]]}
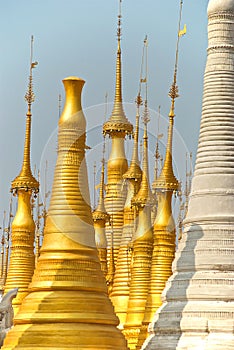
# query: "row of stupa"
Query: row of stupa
{"points": [[64, 302], [124, 233]]}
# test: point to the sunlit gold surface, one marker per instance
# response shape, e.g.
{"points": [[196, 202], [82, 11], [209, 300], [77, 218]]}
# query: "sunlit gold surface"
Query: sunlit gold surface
{"points": [[22, 257], [141, 256], [22, 261], [120, 291], [68, 307]]}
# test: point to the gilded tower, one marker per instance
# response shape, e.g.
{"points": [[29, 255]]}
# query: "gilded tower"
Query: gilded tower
{"points": [[67, 306], [120, 292], [142, 250], [198, 307], [22, 260], [117, 127], [100, 217], [164, 225]]}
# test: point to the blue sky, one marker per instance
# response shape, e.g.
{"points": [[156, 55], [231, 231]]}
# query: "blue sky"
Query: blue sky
{"points": [[78, 38]]}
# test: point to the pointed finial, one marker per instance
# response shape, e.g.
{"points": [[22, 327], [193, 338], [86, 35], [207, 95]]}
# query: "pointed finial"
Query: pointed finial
{"points": [[174, 91], [167, 179], [144, 80], [25, 179], [157, 154], [119, 24], [29, 96], [144, 195], [118, 122]]}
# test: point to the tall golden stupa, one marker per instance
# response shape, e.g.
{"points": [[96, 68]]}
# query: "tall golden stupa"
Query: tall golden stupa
{"points": [[117, 127], [22, 260], [67, 306]]}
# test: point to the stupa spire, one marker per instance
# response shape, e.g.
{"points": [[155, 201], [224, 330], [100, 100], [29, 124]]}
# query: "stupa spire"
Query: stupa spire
{"points": [[67, 306], [22, 264], [164, 225], [117, 127], [118, 121], [100, 217], [120, 291]]}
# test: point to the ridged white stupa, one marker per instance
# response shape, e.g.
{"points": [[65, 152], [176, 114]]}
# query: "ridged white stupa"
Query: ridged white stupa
{"points": [[198, 308]]}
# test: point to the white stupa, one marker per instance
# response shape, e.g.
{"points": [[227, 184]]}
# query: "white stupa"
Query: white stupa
{"points": [[198, 308]]}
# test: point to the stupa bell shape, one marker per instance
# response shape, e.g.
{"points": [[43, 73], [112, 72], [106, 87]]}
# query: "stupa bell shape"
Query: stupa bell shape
{"points": [[198, 307], [68, 306]]}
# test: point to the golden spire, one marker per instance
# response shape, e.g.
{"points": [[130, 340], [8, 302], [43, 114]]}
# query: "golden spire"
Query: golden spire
{"points": [[117, 127], [67, 306], [144, 194], [164, 225], [157, 154], [100, 217], [25, 179], [134, 171], [22, 260], [120, 291], [118, 121], [167, 179]]}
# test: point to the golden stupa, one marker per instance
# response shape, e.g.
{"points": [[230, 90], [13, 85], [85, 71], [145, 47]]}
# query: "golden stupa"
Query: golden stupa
{"points": [[164, 226], [142, 251], [67, 306], [22, 260], [120, 291], [117, 127]]}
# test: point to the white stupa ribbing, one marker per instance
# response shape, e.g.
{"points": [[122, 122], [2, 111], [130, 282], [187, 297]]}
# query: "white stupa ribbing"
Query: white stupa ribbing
{"points": [[198, 308]]}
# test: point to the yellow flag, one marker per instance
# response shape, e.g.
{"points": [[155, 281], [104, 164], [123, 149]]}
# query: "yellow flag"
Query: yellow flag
{"points": [[183, 31], [34, 64]]}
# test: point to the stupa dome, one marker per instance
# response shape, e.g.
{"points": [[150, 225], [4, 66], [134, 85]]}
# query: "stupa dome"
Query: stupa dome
{"points": [[220, 5]]}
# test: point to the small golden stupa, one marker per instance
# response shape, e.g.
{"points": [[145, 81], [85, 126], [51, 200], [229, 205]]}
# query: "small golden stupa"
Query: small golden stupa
{"points": [[22, 260]]}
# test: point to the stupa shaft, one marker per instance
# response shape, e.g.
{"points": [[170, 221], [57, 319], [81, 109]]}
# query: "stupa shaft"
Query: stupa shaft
{"points": [[198, 307], [68, 307]]}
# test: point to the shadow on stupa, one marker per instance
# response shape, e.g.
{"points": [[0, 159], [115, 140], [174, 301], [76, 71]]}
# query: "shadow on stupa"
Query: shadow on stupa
{"points": [[165, 329]]}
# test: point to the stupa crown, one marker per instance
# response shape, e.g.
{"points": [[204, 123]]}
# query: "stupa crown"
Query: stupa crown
{"points": [[220, 5], [118, 122], [25, 179]]}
